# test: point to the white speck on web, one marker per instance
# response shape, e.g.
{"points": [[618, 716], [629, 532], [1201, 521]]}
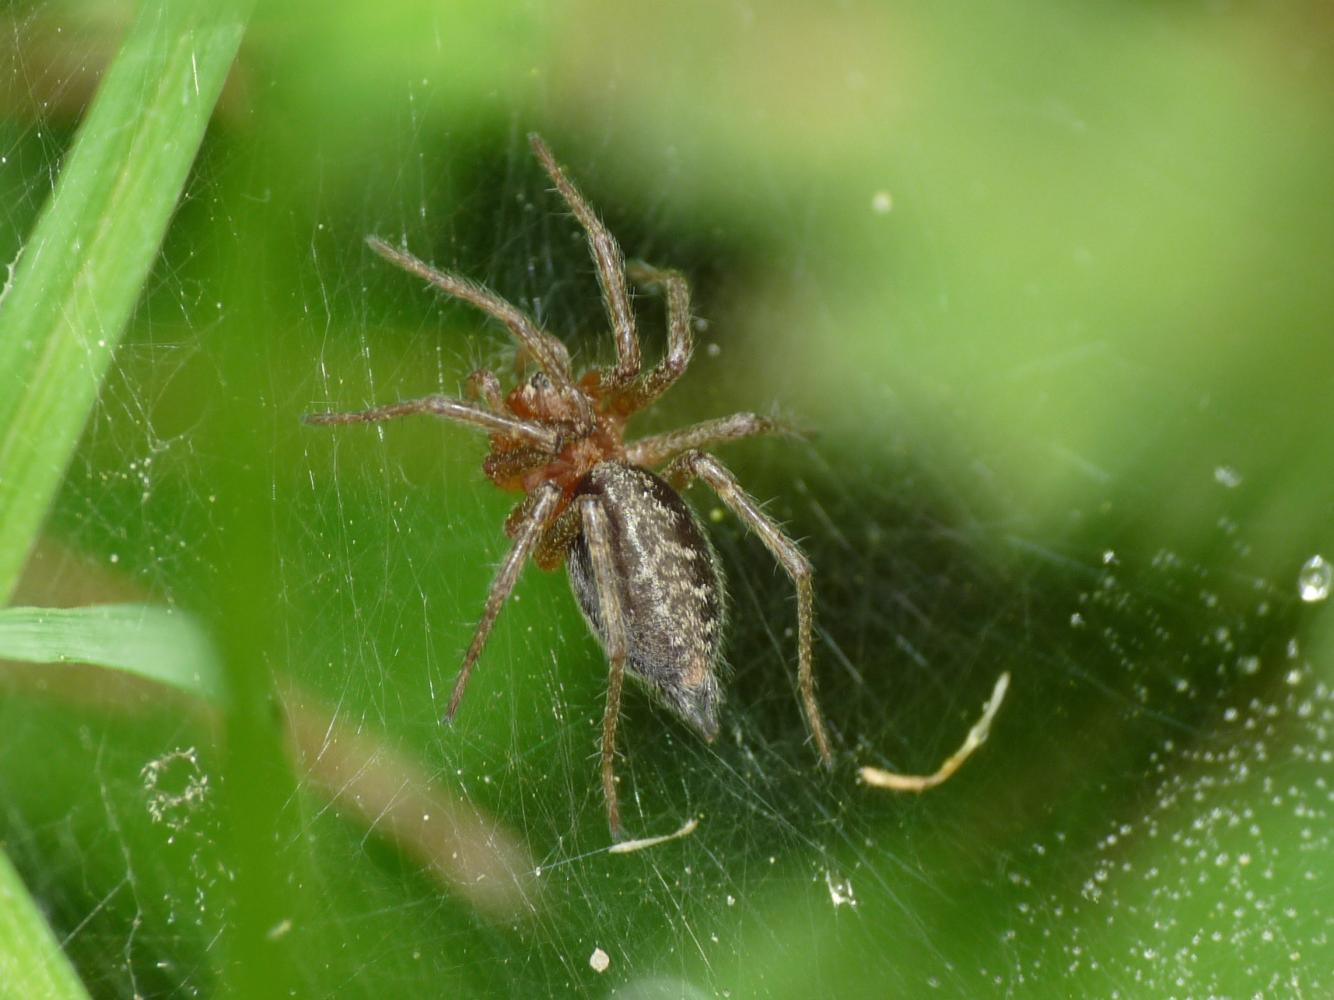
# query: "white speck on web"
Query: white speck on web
{"points": [[840, 891]]}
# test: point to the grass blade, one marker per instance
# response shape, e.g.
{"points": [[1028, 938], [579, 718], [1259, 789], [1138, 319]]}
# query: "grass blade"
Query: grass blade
{"points": [[80, 274], [31, 962], [157, 644]]}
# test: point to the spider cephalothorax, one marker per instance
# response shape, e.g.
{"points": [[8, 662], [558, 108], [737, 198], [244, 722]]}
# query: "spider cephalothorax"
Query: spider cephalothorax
{"points": [[640, 564]]}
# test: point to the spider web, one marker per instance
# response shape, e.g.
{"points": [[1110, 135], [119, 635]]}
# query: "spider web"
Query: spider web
{"points": [[1150, 816]]}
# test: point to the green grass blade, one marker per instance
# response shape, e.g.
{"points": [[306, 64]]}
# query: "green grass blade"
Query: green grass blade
{"points": [[80, 274], [157, 644], [31, 962]]}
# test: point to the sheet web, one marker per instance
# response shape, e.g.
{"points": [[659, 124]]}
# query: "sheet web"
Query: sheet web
{"points": [[1152, 806]]}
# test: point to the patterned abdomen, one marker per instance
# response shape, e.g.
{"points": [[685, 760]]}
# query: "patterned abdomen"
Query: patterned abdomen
{"points": [[671, 589]]}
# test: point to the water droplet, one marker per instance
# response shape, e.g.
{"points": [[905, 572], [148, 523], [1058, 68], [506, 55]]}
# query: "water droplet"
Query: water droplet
{"points": [[881, 203], [1313, 581], [1227, 476]]}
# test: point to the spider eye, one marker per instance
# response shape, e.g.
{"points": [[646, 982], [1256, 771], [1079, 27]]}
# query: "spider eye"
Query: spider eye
{"points": [[540, 382]]}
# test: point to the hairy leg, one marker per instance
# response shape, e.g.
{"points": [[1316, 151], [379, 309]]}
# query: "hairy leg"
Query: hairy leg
{"points": [[653, 451], [699, 465], [679, 341], [526, 534], [610, 267], [455, 410], [554, 544], [598, 535], [549, 353]]}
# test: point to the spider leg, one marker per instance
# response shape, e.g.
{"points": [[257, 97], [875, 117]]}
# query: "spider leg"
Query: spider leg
{"points": [[455, 410], [526, 533], [546, 350], [652, 451], [697, 464], [554, 544], [598, 535], [679, 340], [610, 266]]}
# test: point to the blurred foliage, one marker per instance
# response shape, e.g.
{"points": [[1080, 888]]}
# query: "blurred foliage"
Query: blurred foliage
{"points": [[1047, 285]]}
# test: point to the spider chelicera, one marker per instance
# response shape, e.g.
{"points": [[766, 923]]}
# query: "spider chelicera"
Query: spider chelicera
{"points": [[640, 564]]}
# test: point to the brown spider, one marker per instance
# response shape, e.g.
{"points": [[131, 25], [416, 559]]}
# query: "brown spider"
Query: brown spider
{"points": [[643, 570]]}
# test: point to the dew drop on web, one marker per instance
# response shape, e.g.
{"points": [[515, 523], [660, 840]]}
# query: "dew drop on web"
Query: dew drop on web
{"points": [[1314, 579]]}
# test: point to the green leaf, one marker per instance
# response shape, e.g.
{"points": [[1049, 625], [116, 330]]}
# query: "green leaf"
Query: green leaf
{"points": [[157, 644], [81, 272], [31, 962]]}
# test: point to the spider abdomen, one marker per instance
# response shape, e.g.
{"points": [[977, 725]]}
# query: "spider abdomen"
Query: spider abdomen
{"points": [[670, 586]]}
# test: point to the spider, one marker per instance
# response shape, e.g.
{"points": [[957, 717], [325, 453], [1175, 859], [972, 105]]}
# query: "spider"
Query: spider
{"points": [[641, 566]]}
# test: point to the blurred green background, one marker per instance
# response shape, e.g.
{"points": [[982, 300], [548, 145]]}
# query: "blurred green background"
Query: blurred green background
{"points": [[1048, 286]]}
